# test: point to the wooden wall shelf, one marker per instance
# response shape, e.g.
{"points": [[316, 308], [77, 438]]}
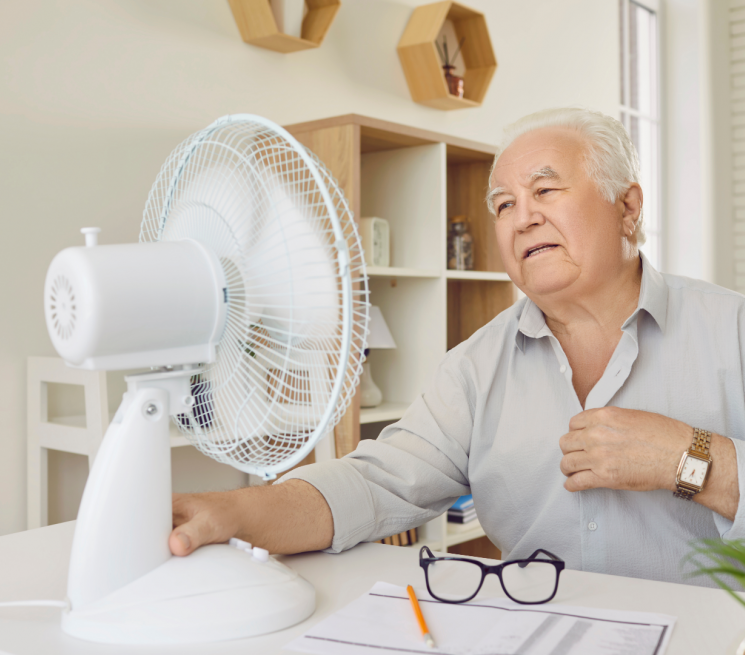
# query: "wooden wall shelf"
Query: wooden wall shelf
{"points": [[422, 65], [258, 27]]}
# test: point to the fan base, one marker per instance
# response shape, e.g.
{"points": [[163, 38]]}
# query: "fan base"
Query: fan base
{"points": [[216, 593]]}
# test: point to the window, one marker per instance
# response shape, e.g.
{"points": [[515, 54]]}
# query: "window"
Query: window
{"points": [[640, 108]]}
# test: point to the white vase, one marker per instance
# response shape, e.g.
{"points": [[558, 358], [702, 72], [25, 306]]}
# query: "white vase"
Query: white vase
{"points": [[370, 394], [289, 16]]}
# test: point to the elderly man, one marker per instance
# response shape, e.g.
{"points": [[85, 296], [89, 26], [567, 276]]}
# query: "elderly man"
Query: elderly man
{"points": [[567, 415]]}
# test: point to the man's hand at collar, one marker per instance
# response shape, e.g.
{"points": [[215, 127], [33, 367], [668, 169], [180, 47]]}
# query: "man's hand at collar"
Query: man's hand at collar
{"points": [[617, 448]]}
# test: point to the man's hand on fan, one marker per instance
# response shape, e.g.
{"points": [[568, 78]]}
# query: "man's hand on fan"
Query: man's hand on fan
{"points": [[292, 517]]}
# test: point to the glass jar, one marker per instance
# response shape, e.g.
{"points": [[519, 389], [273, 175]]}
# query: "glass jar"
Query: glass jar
{"points": [[460, 245]]}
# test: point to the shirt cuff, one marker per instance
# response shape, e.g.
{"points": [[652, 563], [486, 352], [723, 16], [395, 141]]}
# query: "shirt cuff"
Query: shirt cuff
{"points": [[731, 530], [347, 495]]}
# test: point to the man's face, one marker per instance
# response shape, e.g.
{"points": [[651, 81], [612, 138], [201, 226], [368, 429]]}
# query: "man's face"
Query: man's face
{"points": [[556, 233]]}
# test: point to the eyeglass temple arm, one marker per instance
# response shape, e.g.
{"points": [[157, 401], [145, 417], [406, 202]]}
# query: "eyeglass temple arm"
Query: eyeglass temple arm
{"points": [[523, 564]]}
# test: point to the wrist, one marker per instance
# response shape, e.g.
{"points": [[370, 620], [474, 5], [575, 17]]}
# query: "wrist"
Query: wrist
{"points": [[681, 442]]}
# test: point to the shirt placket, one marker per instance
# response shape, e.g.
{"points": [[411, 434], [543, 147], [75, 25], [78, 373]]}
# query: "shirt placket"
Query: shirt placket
{"points": [[592, 514]]}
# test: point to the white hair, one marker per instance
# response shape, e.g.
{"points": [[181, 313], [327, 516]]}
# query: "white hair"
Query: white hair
{"points": [[611, 160]]}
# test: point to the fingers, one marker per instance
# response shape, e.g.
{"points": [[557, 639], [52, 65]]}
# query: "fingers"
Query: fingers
{"points": [[200, 519], [572, 441], [187, 537], [575, 462], [585, 419], [583, 480]]}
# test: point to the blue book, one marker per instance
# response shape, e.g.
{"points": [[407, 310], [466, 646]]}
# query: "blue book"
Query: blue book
{"points": [[464, 502]]}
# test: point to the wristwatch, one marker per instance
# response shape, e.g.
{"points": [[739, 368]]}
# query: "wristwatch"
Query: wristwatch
{"points": [[694, 466]]}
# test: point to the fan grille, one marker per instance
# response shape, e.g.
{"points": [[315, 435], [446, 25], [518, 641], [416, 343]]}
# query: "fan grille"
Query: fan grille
{"points": [[257, 198], [62, 307]]}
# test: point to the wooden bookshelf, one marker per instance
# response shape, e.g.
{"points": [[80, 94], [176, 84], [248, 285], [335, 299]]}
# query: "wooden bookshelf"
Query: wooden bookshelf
{"points": [[415, 179]]}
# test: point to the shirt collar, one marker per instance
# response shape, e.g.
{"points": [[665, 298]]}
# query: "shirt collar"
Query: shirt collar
{"points": [[652, 298], [653, 295]]}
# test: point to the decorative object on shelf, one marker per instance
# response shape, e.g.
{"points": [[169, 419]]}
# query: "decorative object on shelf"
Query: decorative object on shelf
{"points": [[454, 82], [375, 234], [460, 245], [379, 337], [258, 22], [419, 58], [462, 511]]}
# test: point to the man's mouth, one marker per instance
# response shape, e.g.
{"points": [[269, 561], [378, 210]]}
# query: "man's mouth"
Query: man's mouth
{"points": [[535, 250]]}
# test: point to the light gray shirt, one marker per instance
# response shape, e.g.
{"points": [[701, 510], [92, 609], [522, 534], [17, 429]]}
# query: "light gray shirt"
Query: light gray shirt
{"points": [[490, 422]]}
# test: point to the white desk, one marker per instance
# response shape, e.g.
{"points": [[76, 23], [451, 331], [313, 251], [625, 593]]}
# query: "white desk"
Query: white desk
{"points": [[33, 565]]}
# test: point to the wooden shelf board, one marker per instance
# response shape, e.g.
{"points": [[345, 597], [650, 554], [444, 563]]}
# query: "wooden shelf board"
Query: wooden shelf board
{"points": [[78, 421], [384, 412], [376, 135], [449, 102], [497, 276], [393, 271]]}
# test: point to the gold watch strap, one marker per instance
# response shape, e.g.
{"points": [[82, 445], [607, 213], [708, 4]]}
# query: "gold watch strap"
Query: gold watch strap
{"points": [[701, 441], [700, 445]]}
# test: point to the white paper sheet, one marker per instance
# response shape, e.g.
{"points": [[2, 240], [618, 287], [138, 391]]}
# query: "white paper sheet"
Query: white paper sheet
{"points": [[383, 620]]}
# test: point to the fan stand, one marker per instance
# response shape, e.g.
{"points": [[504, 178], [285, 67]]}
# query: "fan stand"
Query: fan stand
{"points": [[124, 585]]}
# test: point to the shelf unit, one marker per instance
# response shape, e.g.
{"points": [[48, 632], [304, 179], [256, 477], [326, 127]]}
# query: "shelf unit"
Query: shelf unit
{"points": [[415, 179], [258, 26], [421, 63]]}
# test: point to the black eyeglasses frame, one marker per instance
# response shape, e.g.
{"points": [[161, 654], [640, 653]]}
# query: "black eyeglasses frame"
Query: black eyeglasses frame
{"points": [[557, 562]]}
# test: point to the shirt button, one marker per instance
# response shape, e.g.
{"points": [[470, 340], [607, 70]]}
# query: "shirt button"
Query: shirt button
{"points": [[562, 368], [592, 525]]}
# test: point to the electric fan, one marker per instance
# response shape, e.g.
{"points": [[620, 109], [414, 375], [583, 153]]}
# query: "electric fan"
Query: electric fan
{"points": [[247, 300]]}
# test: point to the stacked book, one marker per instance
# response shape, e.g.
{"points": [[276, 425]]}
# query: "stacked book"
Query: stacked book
{"points": [[407, 538], [462, 510]]}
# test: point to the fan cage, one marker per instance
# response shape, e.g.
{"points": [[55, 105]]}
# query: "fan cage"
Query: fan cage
{"points": [[291, 353]]}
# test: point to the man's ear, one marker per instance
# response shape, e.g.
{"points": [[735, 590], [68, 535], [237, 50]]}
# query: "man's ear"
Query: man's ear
{"points": [[632, 209]]}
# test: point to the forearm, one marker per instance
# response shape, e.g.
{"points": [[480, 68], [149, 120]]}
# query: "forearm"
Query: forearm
{"points": [[292, 517]]}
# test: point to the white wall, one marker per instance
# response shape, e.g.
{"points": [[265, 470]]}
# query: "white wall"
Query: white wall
{"points": [[95, 94], [696, 144]]}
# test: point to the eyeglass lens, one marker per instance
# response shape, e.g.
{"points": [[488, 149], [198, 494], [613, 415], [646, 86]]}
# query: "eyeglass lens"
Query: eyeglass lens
{"points": [[453, 580], [534, 583]]}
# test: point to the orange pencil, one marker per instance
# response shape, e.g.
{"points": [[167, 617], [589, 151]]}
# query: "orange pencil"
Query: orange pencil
{"points": [[419, 617]]}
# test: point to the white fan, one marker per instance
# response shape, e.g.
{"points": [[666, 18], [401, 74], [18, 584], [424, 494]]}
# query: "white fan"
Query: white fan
{"points": [[247, 298]]}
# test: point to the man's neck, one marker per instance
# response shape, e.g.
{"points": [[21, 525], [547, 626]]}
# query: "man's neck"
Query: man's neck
{"points": [[601, 309]]}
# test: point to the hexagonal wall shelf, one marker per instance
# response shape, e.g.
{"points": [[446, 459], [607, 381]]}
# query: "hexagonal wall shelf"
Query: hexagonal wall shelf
{"points": [[422, 65], [258, 27]]}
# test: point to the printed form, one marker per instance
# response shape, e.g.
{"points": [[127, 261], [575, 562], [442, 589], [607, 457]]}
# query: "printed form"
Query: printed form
{"points": [[383, 620]]}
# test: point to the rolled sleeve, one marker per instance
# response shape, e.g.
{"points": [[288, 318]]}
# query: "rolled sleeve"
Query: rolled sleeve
{"points": [[411, 474], [348, 496], [732, 530]]}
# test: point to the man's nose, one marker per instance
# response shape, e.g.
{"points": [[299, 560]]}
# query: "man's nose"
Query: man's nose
{"points": [[527, 214]]}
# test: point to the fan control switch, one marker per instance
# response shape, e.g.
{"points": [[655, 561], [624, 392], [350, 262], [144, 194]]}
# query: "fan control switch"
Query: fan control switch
{"points": [[240, 544], [261, 554]]}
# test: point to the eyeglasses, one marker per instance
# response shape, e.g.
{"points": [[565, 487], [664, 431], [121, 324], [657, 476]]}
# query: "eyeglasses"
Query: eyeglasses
{"points": [[526, 581]]}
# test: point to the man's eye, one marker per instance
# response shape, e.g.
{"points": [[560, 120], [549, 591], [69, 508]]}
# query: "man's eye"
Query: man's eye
{"points": [[504, 205], [543, 192]]}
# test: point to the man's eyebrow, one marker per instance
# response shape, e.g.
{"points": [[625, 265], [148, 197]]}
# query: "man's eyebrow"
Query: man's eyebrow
{"points": [[493, 193], [544, 173]]}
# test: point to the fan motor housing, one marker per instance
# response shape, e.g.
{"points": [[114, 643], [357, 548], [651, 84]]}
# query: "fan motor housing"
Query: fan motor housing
{"points": [[135, 305]]}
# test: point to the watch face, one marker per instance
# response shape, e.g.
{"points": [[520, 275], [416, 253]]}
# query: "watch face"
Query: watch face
{"points": [[694, 471]]}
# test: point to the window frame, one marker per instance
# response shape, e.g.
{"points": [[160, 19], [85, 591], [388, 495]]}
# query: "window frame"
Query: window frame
{"points": [[656, 119]]}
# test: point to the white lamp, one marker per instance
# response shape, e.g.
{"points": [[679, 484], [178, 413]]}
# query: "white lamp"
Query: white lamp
{"points": [[379, 337]]}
